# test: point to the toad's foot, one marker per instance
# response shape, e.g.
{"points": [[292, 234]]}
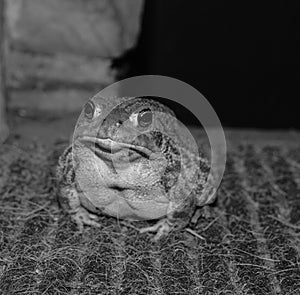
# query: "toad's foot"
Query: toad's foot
{"points": [[81, 216], [162, 228], [206, 212]]}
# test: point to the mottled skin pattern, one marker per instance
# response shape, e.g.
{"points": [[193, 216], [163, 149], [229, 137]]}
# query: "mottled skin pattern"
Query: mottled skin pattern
{"points": [[132, 161]]}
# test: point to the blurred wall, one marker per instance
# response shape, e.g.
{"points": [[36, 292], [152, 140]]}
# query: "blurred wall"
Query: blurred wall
{"points": [[61, 51]]}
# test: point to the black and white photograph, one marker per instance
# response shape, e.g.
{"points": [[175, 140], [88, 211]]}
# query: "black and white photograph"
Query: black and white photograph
{"points": [[149, 147]]}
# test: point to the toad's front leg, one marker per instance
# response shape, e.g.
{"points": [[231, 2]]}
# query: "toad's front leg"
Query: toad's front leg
{"points": [[69, 200]]}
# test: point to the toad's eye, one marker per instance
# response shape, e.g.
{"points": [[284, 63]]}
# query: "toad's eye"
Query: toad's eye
{"points": [[144, 117], [89, 110]]}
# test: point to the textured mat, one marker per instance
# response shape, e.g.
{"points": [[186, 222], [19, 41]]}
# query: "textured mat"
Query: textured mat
{"points": [[249, 245]]}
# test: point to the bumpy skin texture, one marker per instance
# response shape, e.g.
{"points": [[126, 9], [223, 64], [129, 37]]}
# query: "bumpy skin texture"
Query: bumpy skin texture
{"points": [[131, 159]]}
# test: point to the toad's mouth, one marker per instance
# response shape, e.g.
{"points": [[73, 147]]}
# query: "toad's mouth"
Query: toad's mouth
{"points": [[107, 148]]}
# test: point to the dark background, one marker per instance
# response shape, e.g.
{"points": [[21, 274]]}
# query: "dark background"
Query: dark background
{"points": [[243, 57]]}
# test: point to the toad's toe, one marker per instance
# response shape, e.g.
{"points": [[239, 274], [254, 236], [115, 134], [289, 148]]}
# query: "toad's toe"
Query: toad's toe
{"points": [[83, 217], [162, 228]]}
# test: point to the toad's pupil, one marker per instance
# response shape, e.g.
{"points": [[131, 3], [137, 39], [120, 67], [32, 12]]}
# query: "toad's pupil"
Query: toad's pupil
{"points": [[89, 110], [145, 118]]}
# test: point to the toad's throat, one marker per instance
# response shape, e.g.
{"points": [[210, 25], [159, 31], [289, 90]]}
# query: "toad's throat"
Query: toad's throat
{"points": [[106, 148]]}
